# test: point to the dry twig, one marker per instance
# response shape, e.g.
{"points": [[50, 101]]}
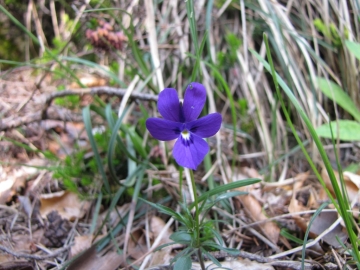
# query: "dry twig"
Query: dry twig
{"points": [[34, 257], [63, 114]]}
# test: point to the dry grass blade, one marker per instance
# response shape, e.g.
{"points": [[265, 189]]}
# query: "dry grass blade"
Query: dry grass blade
{"points": [[150, 24]]}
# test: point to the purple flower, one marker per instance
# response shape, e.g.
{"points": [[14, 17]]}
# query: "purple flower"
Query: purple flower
{"points": [[180, 122]]}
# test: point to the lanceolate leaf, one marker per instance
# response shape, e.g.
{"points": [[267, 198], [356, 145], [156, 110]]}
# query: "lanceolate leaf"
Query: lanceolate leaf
{"points": [[354, 48], [348, 130], [336, 93]]}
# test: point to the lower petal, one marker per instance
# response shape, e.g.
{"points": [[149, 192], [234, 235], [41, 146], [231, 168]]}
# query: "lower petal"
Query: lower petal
{"points": [[189, 153]]}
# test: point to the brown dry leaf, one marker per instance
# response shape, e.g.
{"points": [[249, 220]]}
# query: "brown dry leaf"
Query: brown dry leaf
{"points": [[253, 207], [62, 144], [89, 81], [66, 203], [137, 247], [162, 256], [6, 190], [296, 206], [91, 260], [239, 264], [13, 181], [24, 243], [322, 222], [82, 242], [254, 210], [303, 199], [352, 182]]}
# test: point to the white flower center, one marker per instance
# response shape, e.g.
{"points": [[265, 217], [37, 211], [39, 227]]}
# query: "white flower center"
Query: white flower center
{"points": [[185, 134]]}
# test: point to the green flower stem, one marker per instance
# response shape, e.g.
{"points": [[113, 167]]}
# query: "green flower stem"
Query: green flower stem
{"points": [[197, 220]]}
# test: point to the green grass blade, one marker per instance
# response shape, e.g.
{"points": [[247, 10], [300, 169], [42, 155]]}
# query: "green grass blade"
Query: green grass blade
{"points": [[88, 127], [192, 22], [318, 212], [96, 213], [223, 188], [96, 66]]}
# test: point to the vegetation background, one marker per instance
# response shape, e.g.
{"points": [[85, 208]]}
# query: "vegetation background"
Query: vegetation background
{"points": [[80, 78]]}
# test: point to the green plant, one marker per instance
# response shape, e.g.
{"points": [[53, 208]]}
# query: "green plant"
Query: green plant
{"points": [[341, 203], [346, 130]]}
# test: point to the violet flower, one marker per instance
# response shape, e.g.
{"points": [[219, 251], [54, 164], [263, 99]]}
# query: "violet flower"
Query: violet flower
{"points": [[180, 122]]}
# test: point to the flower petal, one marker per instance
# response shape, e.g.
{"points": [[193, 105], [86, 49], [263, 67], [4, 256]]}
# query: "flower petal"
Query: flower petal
{"points": [[206, 126], [169, 104], [162, 129], [194, 101], [190, 153]]}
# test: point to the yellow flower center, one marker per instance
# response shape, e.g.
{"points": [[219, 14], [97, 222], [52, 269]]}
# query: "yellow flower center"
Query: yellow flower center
{"points": [[185, 134]]}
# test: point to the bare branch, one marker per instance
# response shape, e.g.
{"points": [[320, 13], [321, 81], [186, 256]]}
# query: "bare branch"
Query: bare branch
{"points": [[63, 114]]}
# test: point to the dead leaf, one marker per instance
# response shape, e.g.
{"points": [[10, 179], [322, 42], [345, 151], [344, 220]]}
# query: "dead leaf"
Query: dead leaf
{"points": [[137, 247], [24, 242], [322, 222], [67, 204], [352, 183], [253, 207], [82, 242], [91, 260], [13, 181], [162, 256], [297, 205], [89, 81]]}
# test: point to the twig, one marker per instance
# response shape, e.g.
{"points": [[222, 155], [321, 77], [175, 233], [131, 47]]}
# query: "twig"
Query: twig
{"points": [[63, 114], [34, 257], [53, 114], [261, 259], [102, 90]]}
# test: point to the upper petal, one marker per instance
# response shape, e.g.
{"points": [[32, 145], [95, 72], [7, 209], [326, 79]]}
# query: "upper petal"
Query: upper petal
{"points": [[162, 129], [190, 153], [169, 104], [194, 101], [206, 126]]}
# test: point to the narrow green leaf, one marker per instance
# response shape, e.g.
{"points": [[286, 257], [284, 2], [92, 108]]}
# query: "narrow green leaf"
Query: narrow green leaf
{"points": [[231, 251], [224, 196], [291, 237], [318, 212], [96, 66], [223, 188], [336, 93], [354, 48], [348, 130], [166, 210], [88, 127], [137, 142], [212, 258]]}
